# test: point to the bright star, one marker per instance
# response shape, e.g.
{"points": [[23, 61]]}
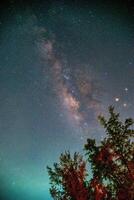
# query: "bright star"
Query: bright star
{"points": [[117, 99]]}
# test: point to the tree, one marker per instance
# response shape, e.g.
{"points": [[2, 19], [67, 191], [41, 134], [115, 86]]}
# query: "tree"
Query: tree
{"points": [[112, 166], [68, 178]]}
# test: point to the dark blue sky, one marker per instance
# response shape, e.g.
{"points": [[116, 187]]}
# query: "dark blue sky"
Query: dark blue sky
{"points": [[61, 64]]}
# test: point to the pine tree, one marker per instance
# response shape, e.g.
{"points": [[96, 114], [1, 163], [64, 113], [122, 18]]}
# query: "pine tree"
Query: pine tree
{"points": [[112, 166]]}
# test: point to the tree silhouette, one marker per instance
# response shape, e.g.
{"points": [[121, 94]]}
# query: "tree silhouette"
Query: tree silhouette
{"points": [[112, 166]]}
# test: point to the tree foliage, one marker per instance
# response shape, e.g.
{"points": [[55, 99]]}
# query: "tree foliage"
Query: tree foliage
{"points": [[112, 166]]}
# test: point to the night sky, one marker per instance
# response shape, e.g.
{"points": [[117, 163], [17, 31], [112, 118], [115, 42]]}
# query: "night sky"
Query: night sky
{"points": [[61, 65]]}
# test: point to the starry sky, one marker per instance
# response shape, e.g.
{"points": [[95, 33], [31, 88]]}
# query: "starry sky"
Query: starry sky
{"points": [[61, 65]]}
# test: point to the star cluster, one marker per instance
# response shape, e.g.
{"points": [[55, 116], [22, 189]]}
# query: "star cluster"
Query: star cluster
{"points": [[76, 90]]}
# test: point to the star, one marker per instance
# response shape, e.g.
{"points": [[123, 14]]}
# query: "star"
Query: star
{"points": [[126, 89], [117, 99], [66, 77], [125, 104]]}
